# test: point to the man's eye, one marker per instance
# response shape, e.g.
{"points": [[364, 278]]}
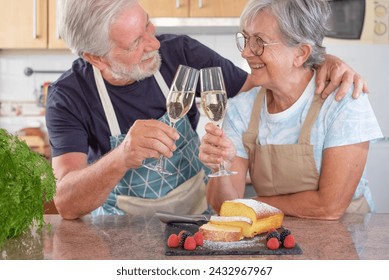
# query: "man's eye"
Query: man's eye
{"points": [[134, 45]]}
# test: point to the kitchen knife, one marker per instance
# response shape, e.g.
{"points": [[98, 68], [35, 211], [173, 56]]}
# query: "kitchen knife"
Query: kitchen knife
{"points": [[167, 217]]}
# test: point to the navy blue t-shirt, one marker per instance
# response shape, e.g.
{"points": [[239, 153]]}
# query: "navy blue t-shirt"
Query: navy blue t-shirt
{"points": [[75, 117]]}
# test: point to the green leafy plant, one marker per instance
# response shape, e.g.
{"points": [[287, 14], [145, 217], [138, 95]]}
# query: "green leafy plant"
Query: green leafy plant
{"points": [[26, 183]]}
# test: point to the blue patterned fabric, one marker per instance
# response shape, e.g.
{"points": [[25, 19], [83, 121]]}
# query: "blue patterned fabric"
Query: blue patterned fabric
{"points": [[145, 183]]}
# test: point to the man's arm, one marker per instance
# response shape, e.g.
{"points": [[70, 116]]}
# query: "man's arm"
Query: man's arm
{"points": [[81, 188], [334, 73]]}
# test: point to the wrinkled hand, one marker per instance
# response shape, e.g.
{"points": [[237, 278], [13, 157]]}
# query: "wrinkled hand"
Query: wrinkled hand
{"points": [[148, 139], [335, 73], [216, 147]]}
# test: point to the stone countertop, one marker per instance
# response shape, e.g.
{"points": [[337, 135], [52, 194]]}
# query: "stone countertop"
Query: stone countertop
{"points": [[142, 238]]}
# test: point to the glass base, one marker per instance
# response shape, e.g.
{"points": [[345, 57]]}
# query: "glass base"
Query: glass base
{"points": [[157, 168], [221, 173]]}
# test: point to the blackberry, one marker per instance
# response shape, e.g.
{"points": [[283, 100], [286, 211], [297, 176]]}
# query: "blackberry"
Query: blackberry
{"points": [[272, 234], [284, 234], [183, 237]]}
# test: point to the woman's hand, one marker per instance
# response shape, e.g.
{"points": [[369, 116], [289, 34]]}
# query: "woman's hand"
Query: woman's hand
{"points": [[334, 73], [216, 147]]}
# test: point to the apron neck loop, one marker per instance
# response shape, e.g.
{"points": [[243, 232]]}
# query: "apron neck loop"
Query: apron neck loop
{"points": [[305, 135], [107, 104], [255, 118]]}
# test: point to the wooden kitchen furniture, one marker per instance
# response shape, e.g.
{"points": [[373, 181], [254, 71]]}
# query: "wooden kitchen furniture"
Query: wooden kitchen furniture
{"points": [[29, 24], [193, 8]]}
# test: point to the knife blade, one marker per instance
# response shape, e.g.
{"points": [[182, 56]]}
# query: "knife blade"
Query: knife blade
{"points": [[167, 217]]}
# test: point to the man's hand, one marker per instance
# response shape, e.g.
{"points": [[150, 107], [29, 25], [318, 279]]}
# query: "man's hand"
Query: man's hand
{"points": [[148, 139], [216, 147], [335, 73]]}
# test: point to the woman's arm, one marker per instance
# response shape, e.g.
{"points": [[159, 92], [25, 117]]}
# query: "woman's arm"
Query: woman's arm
{"points": [[216, 146], [341, 171]]}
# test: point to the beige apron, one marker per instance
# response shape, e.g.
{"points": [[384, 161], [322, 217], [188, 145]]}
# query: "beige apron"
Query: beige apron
{"points": [[187, 198], [285, 169]]}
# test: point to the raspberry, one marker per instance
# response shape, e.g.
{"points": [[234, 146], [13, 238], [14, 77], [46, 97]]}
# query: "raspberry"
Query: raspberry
{"points": [[284, 234], [190, 243], [182, 238], [273, 243], [289, 241], [172, 241], [199, 238]]}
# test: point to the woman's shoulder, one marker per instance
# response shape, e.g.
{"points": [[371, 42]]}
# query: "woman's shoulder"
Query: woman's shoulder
{"points": [[348, 102], [246, 97], [241, 105]]}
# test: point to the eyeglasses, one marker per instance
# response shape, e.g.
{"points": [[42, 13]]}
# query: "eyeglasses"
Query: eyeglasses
{"points": [[256, 47], [150, 30]]}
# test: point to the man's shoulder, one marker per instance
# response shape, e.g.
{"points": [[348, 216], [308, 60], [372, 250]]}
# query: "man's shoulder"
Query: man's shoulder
{"points": [[171, 38], [177, 41], [78, 69]]}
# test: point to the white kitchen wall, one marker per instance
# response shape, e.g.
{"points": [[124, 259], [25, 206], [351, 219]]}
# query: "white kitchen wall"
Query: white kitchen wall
{"points": [[15, 85]]}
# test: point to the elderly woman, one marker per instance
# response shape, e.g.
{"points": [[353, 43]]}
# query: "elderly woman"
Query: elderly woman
{"points": [[305, 155]]}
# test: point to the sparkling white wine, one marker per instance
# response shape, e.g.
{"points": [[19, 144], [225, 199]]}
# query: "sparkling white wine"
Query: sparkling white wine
{"points": [[178, 104], [214, 104]]}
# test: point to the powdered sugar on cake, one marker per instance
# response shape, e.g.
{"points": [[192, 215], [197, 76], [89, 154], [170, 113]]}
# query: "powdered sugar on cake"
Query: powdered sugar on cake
{"points": [[260, 208]]}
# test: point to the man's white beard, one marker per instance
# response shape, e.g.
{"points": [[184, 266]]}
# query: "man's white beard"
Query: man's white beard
{"points": [[122, 72]]}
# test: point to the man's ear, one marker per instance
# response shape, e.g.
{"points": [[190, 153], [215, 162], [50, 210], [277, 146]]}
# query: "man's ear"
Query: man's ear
{"points": [[302, 54], [96, 61]]}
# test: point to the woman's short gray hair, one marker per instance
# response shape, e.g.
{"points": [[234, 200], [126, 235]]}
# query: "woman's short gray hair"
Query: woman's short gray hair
{"points": [[300, 22], [84, 25]]}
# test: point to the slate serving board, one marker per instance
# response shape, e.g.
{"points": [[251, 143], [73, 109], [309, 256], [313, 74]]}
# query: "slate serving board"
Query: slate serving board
{"points": [[252, 246]]}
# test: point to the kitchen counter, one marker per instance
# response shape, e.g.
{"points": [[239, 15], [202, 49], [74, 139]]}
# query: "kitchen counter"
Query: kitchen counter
{"points": [[142, 238]]}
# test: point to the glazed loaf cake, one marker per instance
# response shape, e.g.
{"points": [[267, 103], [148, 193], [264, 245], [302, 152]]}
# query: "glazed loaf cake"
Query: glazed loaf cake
{"points": [[249, 216]]}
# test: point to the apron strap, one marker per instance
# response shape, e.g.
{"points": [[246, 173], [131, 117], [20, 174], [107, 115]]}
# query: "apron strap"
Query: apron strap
{"points": [[161, 83], [256, 114], [107, 104], [305, 135]]}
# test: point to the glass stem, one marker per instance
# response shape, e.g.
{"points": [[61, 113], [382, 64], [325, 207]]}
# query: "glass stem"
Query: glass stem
{"points": [[160, 162], [221, 166]]}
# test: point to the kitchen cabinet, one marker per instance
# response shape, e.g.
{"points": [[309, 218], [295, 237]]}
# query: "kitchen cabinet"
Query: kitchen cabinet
{"points": [[216, 8], [193, 8], [54, 40], [28, 24]]}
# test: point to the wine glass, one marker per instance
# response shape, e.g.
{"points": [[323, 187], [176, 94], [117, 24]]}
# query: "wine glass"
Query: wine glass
{"points": [[178, 103], [214, 103]]}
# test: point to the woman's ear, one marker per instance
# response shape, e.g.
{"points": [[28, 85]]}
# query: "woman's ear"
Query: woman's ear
{"points": [[302, 54], [96, 61]]}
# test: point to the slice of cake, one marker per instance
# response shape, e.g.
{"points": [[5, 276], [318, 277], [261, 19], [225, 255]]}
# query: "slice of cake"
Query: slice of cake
{"points": [[223, 233], [263, 216], [236, 221]]}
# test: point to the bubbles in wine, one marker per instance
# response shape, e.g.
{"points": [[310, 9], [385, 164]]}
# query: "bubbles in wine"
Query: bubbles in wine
{"points": [[178, 104], [214, 104]]}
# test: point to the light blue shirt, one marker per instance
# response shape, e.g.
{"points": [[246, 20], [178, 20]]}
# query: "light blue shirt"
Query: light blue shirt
{"points": [[339, 123]]}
